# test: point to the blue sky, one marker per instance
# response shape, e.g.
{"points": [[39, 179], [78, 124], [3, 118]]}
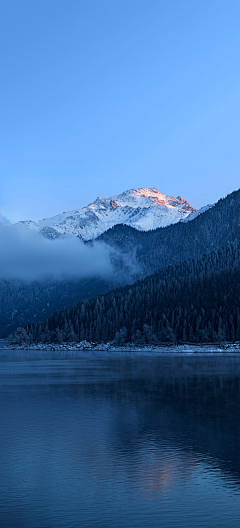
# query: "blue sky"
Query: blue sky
{"points": [[101, 96]]}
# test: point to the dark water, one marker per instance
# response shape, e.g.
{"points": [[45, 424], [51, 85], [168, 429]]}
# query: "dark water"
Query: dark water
{"points": [[92, 440]]}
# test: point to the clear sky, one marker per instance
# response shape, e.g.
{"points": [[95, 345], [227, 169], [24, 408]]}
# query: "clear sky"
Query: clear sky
{"points": [[99, 96]]}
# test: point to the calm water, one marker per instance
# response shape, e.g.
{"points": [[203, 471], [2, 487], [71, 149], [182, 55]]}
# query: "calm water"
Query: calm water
{"points": [[92, 440]]}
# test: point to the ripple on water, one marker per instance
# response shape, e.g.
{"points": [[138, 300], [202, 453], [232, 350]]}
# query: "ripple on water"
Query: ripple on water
{"points": [[94, 440]]}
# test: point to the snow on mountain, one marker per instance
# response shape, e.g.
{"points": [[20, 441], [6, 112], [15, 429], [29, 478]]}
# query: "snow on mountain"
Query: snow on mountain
{"points": [[143, 209], [197, 213]]}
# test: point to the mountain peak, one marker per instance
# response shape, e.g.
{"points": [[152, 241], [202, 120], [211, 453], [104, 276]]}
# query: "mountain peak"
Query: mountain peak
{"points": [[150, 197], [143, 208]]}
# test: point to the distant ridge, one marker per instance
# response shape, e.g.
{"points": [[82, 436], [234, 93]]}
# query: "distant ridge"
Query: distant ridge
{"points": [[144, 209]]}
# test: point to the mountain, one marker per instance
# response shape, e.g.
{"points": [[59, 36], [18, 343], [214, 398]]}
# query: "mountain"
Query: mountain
{"points": [[212, 229], [196, 300], [142, 209], [203, 209], [149, 251]]}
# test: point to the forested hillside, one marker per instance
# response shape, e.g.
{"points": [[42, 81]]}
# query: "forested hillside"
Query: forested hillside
{"points": [[155, 249], [194, 301], [138, 255], [22, 302]]}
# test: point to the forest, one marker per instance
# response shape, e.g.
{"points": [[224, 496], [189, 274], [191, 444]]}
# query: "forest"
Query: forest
{"points": [[135, 255], [196, 301]]}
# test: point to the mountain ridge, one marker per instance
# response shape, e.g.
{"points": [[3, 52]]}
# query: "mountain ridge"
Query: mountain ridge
{"points": [[203, 232], [143, 208], [150, 251]]}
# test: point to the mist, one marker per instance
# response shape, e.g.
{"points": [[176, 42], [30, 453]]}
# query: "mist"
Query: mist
{"points": [[28, 255], [3, 220]]}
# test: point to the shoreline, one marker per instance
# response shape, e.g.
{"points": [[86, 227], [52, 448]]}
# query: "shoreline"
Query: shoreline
{"points": [[187, 348]]}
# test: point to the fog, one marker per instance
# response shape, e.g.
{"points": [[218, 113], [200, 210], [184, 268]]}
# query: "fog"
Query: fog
{"points": [[3, 220], [27, 255]]}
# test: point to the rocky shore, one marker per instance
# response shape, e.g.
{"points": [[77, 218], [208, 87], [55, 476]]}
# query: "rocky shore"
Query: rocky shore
{"points": [[130, 347]]}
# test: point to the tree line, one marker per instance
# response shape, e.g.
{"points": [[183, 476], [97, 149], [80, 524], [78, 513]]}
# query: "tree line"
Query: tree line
{"points": [[194, 301]]}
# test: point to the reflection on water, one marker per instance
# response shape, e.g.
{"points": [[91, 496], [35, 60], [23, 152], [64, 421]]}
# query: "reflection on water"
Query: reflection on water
{"points": [[100, 440]]}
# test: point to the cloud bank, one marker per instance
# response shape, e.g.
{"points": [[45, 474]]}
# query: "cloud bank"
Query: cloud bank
{"points": [[28, 255]]}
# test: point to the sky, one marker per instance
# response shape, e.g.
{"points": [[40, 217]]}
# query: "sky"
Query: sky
{"points": [[98, 97]]}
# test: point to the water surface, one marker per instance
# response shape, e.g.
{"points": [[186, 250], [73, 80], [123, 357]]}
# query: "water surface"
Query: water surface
{"points": [[119, 440]]}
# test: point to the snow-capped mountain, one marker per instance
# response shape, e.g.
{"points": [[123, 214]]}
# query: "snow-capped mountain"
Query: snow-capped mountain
{"points": [[143, 209]]}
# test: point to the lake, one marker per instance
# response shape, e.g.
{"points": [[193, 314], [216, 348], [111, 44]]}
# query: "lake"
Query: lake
{"points": [[91, 439]]}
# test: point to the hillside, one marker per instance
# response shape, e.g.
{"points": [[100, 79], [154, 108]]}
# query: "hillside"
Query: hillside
{"points": [[197, 301], [22, 302], [155, 249]]}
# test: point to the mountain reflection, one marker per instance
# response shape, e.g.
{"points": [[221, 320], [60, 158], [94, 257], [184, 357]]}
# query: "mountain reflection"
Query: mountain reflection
{"points": [[110, 425]]}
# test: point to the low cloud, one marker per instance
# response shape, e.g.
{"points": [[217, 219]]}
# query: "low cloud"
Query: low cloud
{"points": [[4, 220], [28, 255]]}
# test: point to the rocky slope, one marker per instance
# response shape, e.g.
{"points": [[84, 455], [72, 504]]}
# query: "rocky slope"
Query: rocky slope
{"points": [[143, 209]]}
